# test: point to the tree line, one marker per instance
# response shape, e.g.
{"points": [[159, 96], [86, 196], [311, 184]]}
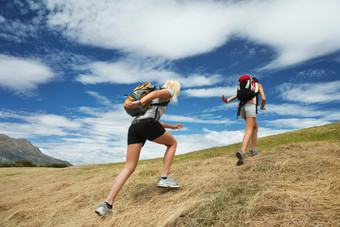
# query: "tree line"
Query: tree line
{"points": [[27, 163]]}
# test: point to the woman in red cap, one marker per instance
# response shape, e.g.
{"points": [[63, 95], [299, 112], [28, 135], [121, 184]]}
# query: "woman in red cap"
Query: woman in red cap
{"points": [[248, 111]]}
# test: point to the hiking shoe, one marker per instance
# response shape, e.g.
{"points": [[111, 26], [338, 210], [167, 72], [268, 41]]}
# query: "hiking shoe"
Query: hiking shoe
{"points": [[254, 152], [167, 183], [103, 210], [240, 155]]}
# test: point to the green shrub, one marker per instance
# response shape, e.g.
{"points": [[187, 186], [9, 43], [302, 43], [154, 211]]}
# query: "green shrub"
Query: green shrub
{"points": [[58, 165]]}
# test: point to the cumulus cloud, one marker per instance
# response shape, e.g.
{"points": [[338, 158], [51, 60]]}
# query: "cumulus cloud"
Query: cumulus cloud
{"points": [[22, 75], [210, 92], [127, 72], [297, 29], [100, 98], [321, 92], [296, 123], [168, 29], [300, 110], [33, 125], [201, 119]]}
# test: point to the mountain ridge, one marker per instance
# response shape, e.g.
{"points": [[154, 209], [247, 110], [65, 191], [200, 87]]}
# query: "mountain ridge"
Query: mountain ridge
{"points": [[13, 150]]}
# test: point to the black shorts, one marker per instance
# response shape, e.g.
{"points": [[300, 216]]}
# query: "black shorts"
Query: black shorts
{"points": [[148, 129]]}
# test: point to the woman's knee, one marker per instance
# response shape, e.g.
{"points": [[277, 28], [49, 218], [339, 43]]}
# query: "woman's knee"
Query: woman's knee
{"points": [[130, 168], [172, 143], [166, 139]]}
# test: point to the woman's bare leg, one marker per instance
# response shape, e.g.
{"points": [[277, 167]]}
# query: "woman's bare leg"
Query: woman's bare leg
{"points": [[254, 136], [132, 158], [168, 140], [250, 124]]}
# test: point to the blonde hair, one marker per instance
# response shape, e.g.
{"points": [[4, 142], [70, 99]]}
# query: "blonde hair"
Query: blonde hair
{"points": [[175, 86]]}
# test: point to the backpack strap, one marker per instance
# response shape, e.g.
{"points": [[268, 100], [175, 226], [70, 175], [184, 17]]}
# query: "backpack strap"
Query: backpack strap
{"points": [[257, 101], [165, 103], [158, 105], [240, 104]]}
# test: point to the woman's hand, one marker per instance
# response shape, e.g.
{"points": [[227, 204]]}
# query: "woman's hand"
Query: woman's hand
{"points": [[175, 126], [224, 99], [131, 105], [178, 126]]}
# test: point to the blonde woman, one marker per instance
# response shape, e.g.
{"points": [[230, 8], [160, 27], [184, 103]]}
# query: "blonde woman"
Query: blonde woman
{"points": [[147, 127]]}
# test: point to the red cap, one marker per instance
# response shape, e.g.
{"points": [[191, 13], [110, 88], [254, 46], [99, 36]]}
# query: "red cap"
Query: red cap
{"points": [[244, 77]]}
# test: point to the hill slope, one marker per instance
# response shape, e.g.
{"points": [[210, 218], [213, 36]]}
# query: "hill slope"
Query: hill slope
{"points": [[12, 150], [293, 182]]}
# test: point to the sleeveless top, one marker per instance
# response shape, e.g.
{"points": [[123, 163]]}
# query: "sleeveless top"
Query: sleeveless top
{"points": [[155, 111]]}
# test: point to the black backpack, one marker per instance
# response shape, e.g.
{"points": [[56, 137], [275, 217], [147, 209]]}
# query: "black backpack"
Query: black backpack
{"points": [[246, 91]]}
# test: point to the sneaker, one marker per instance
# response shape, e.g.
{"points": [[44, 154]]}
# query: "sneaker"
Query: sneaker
{"points": [[103, 210], [254, 152], [167, 183], [240, 155]]}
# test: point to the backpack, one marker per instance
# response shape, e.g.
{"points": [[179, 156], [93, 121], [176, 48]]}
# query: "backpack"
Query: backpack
{"points": [[137, 94], [246, 89]]}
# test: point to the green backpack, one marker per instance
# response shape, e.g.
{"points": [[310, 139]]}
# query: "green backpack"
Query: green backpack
{"points": [[137, 94]]}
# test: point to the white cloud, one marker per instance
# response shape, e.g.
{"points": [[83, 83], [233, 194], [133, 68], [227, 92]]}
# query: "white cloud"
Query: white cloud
{"points": [[195, 119], [332, 116], [87, 150], [210, 92], [295, 110], [34, 125], [23, 75], [297, 29], [296, 123], [321, 92], [100, 98], [223, 107], [169, 29], [122, 73], [2, 19], [128, 71]]}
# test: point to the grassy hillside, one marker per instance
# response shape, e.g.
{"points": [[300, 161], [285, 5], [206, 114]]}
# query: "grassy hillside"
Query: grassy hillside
{"points": [[295, 181]]}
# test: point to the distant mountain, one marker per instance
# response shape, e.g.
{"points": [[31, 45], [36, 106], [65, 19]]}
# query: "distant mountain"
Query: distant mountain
{"points": [[13, 150]]}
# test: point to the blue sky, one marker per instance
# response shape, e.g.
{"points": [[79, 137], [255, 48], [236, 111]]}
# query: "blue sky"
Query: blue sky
{"points": [[66, 66]]}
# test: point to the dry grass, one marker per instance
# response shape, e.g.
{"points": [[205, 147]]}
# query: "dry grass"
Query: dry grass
{"points": [[288, 185]]}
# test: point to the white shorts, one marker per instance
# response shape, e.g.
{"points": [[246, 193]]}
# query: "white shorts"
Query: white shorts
{"points": [[248, 110]]}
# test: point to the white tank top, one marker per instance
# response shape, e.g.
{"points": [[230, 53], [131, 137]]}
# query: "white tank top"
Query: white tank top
{"points": [[256, 91]]}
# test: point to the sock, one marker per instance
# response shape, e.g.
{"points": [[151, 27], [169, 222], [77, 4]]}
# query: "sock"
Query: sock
{"points": [[108, 205], [164, 178]]}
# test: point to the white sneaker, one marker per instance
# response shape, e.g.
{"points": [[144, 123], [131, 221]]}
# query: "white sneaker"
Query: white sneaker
{"points": [[167, 183], [103, 210], [254, 152]]}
